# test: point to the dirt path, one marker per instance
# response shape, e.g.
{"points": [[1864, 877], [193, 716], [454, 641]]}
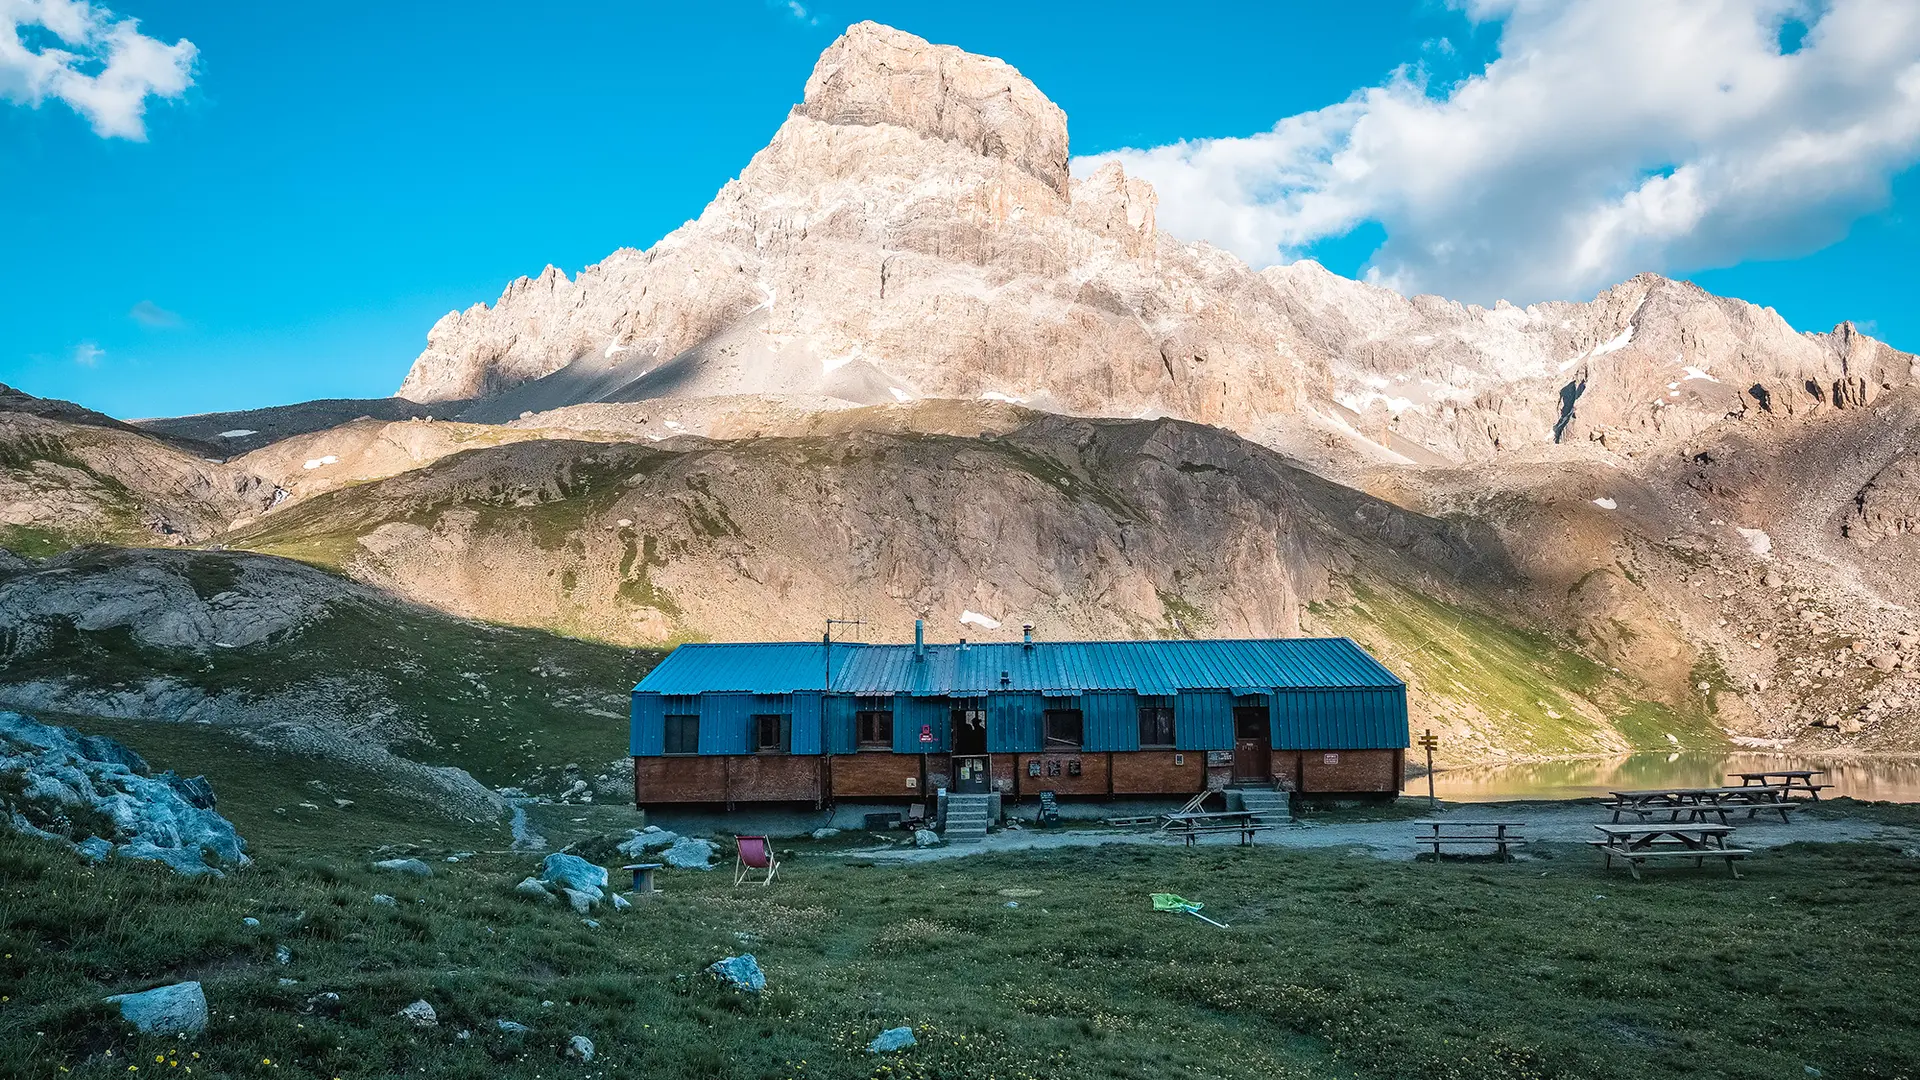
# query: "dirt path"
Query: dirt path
{"points": [[1559, 823]]}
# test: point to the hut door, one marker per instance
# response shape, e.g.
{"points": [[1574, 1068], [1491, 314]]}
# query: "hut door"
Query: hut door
{"points": [[1252, 758]]}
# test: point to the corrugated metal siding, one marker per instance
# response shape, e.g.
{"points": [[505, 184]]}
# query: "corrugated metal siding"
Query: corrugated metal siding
{"points": [[1203, 720], [836, 719], [1147, 667], [1340, 719], [910, 714], [806, 722], [724, 723], [1112, 720], [1013, 722], [647, 736]]}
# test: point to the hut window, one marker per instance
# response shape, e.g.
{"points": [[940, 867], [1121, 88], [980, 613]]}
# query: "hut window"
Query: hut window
{"points": [[1156, 725], [874, 723], [772, 734], [683, 733], [1064, 729]]}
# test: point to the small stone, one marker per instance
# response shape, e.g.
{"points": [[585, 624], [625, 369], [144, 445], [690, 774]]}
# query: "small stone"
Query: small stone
{"points": [[620, 903], [284, 981], [582, 902], [1773, 580], [249, 922], [342, 804], [534, 888], [580, 1048], [925, 838], [591, 924], [463, 1034], [1885, 661], [283, 956], [892, 1040], [825, 833], [419, 1014], [510, 1027], [165, 1010], [740, 972], [404, 866], [326, 1004], [383, 898]]}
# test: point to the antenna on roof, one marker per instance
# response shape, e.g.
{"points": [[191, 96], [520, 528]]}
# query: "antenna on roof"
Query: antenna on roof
{"points": [[826, 647]]}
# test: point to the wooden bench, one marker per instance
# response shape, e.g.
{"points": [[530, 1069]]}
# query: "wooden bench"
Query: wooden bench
{"points": [[1789, 780], [1451, 833], [1635, 844], [1192, 826]]}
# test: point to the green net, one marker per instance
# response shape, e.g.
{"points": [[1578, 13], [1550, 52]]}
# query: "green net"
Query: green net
{"points": [[1166, 901]]}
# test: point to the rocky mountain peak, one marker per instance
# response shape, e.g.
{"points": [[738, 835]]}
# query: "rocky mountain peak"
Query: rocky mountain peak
{"points": [[875, 74]]}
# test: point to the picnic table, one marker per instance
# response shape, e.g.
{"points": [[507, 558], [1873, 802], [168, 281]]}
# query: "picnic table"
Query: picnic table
{"points": [[1791, 780], [1194, 825], [1635, 844], [1447, 832], [1695, 804]]}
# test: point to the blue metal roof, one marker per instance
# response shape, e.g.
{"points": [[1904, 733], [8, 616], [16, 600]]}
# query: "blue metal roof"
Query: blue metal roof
{"points": [[1048, 667]]}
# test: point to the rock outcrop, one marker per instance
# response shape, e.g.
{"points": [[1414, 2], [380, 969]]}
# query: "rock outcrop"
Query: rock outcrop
{"points": [[100, 799]]}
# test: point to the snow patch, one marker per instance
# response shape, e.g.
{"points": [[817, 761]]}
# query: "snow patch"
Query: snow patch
{"points": [[899, 394], [995, 395], [1614, 344], [1605, 503], [1698, 373], [1757, 540], [314, 463], [987, 622], [238, 433]]}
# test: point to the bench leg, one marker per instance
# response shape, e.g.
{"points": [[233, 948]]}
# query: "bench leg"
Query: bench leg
{"points": [[1634, 865]]}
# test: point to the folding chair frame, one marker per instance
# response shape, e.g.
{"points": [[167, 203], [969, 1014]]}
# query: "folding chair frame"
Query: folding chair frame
{"points": [[743, 870]]}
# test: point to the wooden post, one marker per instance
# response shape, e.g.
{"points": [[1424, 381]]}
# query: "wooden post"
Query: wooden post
{"points": [[1429, 741]]}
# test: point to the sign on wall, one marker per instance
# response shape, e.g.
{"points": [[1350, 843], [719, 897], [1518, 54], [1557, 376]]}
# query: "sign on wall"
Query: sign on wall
{"points": [[1219, 757], [926, 734], [1330, 759]]}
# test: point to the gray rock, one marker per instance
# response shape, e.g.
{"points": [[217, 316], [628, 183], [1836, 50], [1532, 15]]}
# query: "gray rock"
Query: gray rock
{"points": [[165, 1010], [582, 902], [591, 924], [284, 981], [384, 899], [740, 972], [825, 833], [325, 1004], [249, 922], [61, 768], [510, 1027], [419, 1014], [580, 1048], [926, 838], [689, 854], [283, 955], [891, 1040], [652, 838], [533, 887], [574, 872], [405, 866], [620, 903]]}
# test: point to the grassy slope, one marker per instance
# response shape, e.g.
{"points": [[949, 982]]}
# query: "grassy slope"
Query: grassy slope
{"points": [[500, 702], [1334, 967], [1460, 662]]}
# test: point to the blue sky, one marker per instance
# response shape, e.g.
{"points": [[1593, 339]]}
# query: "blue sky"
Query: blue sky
{"points": [[336, 179]]}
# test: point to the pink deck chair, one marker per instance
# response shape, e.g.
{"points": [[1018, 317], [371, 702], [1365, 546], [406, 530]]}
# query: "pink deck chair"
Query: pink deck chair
{"points": [[753, 853]]}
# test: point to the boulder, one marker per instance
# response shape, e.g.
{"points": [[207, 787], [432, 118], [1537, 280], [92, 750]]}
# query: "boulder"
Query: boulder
{"points": [[688, 853], [740, 972], [404, 866], [652, 838], [574, 872], [582, 902], [891, 1040], [580, 1048], [926, 838], [165, 1010], [419, 1014], [535, 888]]}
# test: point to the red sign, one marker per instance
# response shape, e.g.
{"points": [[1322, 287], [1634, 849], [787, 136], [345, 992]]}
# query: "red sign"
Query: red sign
{"points": [[926, 733]]}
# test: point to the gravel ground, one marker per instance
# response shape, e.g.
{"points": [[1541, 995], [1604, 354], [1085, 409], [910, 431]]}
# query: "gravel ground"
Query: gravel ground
{"points": [[1568, 823]]}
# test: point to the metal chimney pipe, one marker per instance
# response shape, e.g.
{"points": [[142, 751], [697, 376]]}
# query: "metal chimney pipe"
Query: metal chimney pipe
{"points": [[1028, 630], [919, 638]]}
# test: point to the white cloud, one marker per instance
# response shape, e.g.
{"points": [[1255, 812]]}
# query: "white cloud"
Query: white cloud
{"points": [[1608, 137], [93, 60], [87, 354], [152, 315], [796, 9]]}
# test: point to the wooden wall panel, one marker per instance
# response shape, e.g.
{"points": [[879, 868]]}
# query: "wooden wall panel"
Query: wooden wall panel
{"points": [[1152, 772], [876, 775], [679, 780], [774, 778], [1352, 770]]}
